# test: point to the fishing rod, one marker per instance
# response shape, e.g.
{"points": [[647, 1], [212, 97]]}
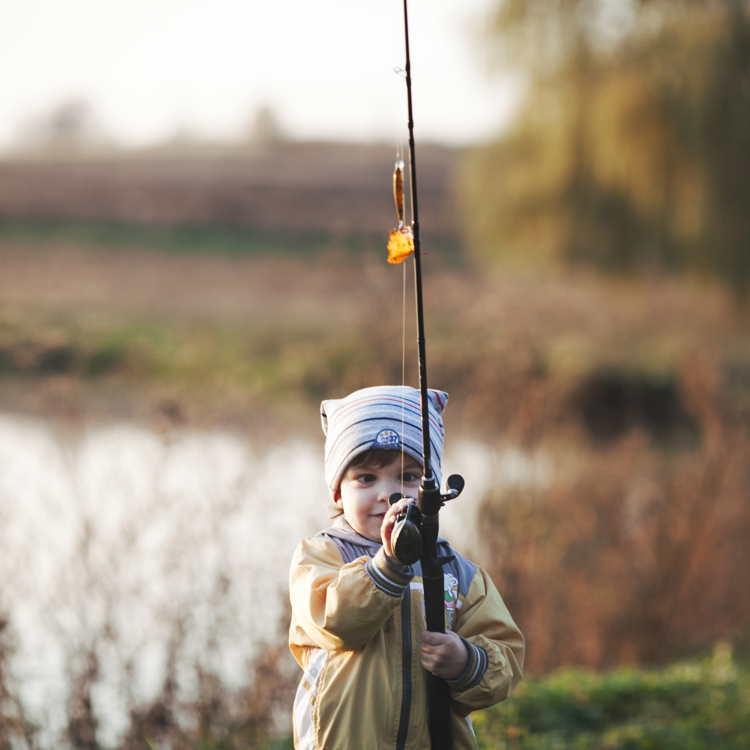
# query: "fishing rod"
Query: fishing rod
{"points": [[415, 535]]}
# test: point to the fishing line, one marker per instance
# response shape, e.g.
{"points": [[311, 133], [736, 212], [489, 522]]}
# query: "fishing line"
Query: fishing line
{"points": [[398, 195], [403, 369]]}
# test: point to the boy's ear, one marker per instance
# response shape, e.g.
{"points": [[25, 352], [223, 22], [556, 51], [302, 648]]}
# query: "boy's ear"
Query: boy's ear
{"points": [[337, 496]]}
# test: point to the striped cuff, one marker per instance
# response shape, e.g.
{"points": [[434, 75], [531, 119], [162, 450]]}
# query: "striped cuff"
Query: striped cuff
{"points": [[476, 666], [387, 577]]}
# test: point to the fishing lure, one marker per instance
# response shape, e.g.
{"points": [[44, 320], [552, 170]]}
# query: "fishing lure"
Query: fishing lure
{"points": [[398, 189], [400, 245], [401, 240]]}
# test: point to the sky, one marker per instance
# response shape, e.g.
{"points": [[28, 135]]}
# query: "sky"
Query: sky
{"points": [[153, 68]]}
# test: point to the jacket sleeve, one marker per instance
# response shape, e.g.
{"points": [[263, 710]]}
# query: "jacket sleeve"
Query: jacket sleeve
{"points": [[337, 606], [496, 648]]}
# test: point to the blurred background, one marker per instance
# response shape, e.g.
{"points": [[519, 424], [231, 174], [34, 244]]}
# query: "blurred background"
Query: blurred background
{"points": [[195, 199]]}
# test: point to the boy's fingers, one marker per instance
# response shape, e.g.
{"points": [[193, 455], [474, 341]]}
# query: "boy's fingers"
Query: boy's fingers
{"points": [[432, 639], [402, 504], [390, 516], [430, 636], [399, 506], [427, 663]]}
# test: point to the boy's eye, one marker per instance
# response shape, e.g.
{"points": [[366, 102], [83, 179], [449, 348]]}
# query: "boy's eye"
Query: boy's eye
{"points": [[366, 478], [409, 477]]}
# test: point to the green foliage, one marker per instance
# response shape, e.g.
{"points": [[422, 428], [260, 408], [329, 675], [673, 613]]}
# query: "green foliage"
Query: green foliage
{"points": [[231, 743], [689, 706], [271, 359], [211, 239], [282, 744], [696, 705], [633, 150]]}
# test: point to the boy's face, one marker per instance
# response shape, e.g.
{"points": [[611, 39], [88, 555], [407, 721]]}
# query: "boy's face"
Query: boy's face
{"points": [[364, 492]]}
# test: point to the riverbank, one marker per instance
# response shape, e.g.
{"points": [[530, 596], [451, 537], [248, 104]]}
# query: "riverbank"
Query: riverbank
{"points": [[212, 338]]}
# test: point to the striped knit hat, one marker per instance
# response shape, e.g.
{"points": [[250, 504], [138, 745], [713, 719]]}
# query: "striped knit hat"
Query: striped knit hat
{"points": [[388, 417]]}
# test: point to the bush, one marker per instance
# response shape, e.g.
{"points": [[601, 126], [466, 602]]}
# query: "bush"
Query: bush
{"points": [[688, 706]]}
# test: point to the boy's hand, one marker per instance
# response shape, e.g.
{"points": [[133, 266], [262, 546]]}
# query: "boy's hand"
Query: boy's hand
{"points": [[443, 654], [386, 528]]}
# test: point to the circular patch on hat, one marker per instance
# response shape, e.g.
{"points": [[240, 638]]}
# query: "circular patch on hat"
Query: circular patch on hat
{"points": [[388, 439]]}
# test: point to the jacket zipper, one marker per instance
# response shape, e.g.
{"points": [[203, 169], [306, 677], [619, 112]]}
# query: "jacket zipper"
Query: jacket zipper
{"points": [[403, 726]]}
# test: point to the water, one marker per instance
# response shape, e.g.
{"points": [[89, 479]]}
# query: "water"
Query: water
{"points": [[132, 546]]}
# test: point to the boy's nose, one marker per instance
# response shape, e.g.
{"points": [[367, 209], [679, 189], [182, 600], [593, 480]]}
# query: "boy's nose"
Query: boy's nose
{"points": [[388, 488]]}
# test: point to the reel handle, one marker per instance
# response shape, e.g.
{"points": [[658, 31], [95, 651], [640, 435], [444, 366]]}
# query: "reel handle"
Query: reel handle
{"points": [[394, 498], [455, 484]]}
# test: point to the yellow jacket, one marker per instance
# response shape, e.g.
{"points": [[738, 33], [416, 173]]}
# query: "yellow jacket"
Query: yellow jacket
{"points": [[355, 628]]}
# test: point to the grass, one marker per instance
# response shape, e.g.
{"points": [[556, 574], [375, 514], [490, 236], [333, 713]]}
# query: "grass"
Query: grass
{"points": [[270, 327], [271, 361], [225, 240], [212, 239], [696, 705], [231, 743]]}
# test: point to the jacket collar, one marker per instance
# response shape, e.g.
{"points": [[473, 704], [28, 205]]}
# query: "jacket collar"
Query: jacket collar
{"points": [[342, 530]]}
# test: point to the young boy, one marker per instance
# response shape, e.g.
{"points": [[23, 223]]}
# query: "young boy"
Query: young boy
{"points": [[358, 623]]}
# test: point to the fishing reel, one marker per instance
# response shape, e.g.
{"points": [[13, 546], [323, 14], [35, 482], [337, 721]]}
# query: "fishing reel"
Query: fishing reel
{"points": [[406, 537]]}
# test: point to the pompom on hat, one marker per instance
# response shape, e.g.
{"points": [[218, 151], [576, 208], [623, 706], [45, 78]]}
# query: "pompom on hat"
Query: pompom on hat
{"points": [[387, 417]]}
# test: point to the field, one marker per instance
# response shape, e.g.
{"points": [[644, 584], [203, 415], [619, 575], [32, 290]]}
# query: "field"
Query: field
{"points": [[626, 546], [339, 190]]}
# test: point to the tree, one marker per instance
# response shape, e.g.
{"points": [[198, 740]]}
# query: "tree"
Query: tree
{"points": [[633, 149], [72, 127]]}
